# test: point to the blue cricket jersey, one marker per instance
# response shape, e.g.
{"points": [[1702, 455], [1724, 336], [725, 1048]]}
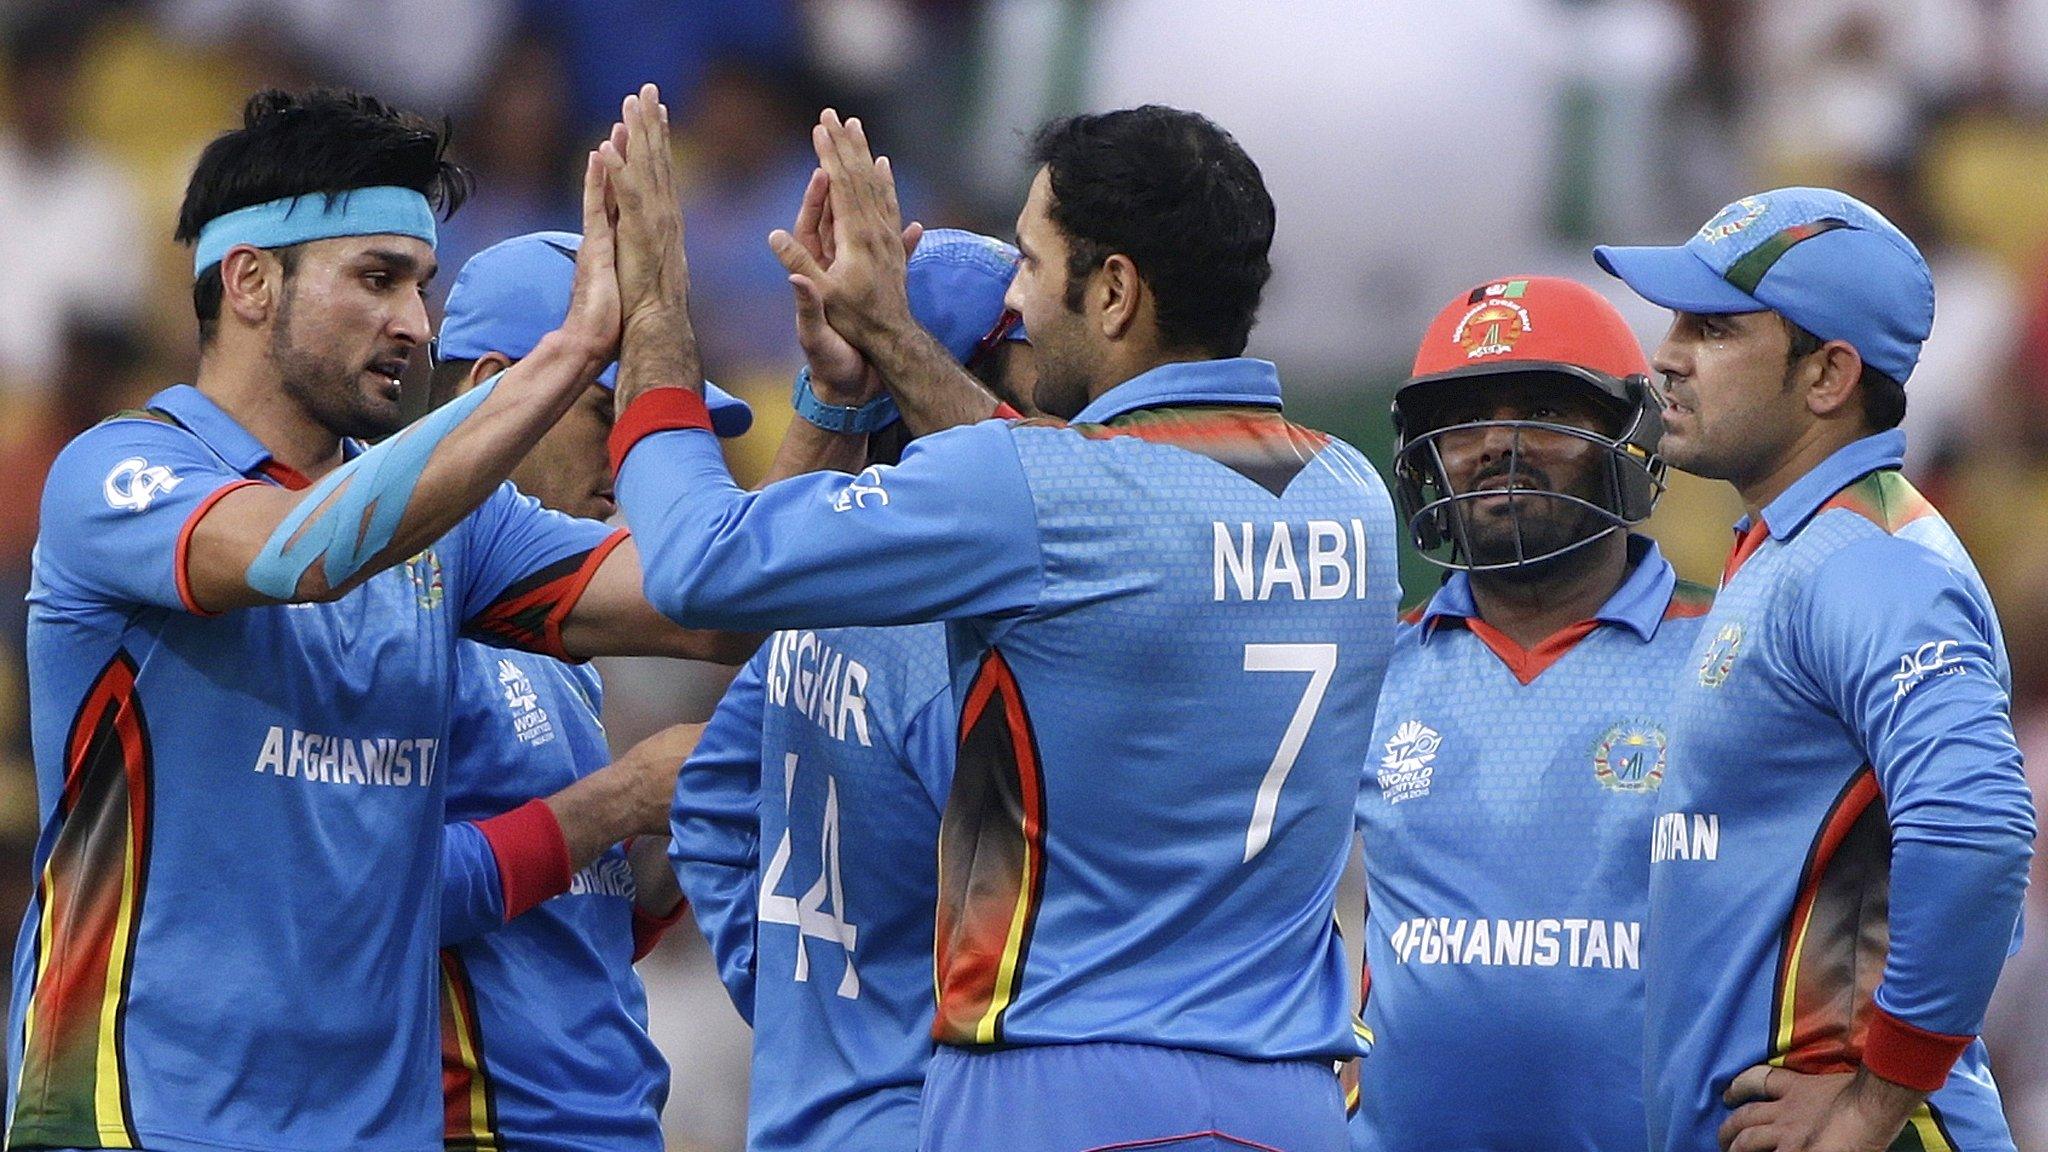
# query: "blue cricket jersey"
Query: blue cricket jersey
{"points": [[1842, 845], [1168, 625], [232, 939], [1506, 808], [544, 1039], [806, 836]]}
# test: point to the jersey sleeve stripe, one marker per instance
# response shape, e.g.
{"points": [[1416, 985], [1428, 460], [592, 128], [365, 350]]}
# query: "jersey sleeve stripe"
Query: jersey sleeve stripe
{"points": [[73, 1090], [470, 1113], [520, 616], [1832, 951], [552, 630], [991, 861], [183, 558]]}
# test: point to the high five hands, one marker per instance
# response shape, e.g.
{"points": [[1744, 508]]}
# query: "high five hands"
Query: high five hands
{"points": [[657, 345], [847, 257]]}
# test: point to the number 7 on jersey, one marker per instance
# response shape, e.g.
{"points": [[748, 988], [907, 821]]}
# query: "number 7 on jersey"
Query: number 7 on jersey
{"points": [[1320, 662]]}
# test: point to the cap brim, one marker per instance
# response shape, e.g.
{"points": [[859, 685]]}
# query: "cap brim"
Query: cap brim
{"points": [[730, 415], [1676, 279]]}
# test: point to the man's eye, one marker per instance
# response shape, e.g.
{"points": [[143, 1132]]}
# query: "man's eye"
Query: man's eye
{"points": [[377, 280]]}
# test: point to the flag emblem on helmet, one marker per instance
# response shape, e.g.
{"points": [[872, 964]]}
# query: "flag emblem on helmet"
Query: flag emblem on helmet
{"points": [[1492, 326]]}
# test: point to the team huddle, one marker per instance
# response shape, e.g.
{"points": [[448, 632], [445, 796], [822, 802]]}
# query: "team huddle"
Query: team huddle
{"points": [[1071, 672]]}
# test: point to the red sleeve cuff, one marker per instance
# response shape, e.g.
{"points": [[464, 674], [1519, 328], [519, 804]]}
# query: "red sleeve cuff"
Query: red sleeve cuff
{"points": [[1907, 1056], [657, 410], [533, 858], [648, 929]]}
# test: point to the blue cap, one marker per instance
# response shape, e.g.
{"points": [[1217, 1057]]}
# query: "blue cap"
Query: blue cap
{"points": [[516, 291], [1820, 258], [957, 281]]}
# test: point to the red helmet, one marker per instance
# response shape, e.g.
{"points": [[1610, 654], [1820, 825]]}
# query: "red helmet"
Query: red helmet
{"points": [[1513, 329]]}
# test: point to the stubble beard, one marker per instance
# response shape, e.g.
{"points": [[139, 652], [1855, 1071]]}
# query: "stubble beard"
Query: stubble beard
{"points": [[326, 389]]}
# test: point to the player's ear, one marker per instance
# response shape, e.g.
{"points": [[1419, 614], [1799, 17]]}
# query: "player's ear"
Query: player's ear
{"points": [[483, 368], [1122, 295], [1830, 376], [250, 283]]}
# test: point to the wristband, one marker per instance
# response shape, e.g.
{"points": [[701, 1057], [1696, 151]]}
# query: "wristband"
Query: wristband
{"points": [[872, 416]]}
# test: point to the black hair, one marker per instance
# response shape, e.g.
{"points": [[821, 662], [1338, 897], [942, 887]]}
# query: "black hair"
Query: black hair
{"points": [[1178, 196], [293, 144], [1884, 399]]}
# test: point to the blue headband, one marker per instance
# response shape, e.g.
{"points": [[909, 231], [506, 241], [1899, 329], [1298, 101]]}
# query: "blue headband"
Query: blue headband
{"points": [[315, 216]]}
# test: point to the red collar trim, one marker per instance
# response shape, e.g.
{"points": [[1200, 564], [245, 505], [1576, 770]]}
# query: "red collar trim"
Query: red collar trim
{"points": [[1529, 663]]}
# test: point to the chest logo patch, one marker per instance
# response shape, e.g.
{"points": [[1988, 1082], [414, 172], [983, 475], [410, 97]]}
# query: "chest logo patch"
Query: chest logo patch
{"points": [[424, 570], [1630, 757], [864, 490], [529, 720], [135, 483], [1409, 763], [1719, 658]]}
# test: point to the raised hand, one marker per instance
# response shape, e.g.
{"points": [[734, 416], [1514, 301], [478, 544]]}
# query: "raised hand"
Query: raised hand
{"points": [[657, 345], [855, 271], [839, 373], [593, 319]]}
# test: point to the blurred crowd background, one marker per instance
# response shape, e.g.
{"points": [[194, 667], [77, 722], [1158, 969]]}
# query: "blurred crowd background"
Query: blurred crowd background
{"points": [[1413, 150]]}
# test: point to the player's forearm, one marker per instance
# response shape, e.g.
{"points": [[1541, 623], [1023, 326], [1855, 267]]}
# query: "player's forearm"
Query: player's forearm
{"points": [[786, 557], [480, 451], [601, 809], [658, 350], [613, 618], [260, 545], [931, 389], [806, 448], [1953, 911]]}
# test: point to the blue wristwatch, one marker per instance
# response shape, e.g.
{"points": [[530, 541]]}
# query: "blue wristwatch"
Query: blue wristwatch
{"points": [[872, 416]]}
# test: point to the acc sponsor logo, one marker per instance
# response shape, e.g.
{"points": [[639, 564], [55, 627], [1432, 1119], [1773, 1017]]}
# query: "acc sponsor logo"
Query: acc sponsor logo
{"points": [[1719, 658], [424, 570], [1630, 757], [1407, 767], [1929, 660], [1492, 326], [135, 483], [863, 491], [1732, 219], [529, 720]]}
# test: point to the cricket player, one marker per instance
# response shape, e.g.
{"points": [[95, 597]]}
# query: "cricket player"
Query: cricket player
{"points": [[1522, 736], [1167, 623], [544, 1040], [242, 646], [1844, 832], [829, 758]]}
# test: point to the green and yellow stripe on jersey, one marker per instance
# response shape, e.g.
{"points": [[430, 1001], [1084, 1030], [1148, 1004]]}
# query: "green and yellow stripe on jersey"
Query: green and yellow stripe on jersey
{"points": [[991, 861], [73, 1090], [469, 1108], [1885, 498]]}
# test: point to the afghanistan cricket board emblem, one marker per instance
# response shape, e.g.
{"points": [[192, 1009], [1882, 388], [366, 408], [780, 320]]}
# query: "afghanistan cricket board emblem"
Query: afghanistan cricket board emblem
{"points": [[427, 585], [1496, 320], [1630, 757], [1719, 658]]}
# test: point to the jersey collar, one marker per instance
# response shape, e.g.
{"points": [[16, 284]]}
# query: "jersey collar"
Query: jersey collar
{"points": [[1786, 515], [1238, 380], [211, 423], [1638, 605], [196, 412]]}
